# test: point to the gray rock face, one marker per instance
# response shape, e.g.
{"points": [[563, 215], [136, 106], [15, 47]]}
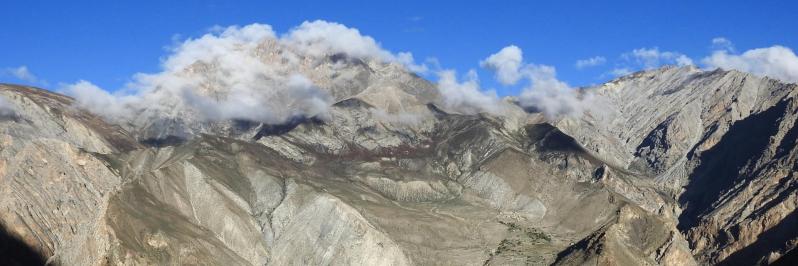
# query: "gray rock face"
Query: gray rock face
{"points": [[683, 167], [712, 140]]}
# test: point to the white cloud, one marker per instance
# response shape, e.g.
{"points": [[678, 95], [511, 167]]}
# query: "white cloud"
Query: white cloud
{"points": [[721, 43], [24, 74], [239, 73], [683, 60], [544, 91], [218, 76], [406, 59], [776, 61], [506, 64], [221, 44], [97, 100], [320, 37], [623, 71], [466, 97], [551, 96], [649, 58], [593, 61]]}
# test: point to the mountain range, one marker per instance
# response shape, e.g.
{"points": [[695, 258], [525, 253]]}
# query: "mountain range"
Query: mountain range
{"points": [[668, 166]]}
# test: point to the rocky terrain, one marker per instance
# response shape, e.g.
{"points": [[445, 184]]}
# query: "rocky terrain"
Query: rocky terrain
{"points": [[681, 166]]}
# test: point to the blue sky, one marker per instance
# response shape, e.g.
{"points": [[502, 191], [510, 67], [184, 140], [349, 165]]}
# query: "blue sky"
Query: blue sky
{"points": [[106, 42]]}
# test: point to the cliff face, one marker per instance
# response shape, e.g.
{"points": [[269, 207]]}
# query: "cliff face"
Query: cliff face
{"points": [[721, 143], [682, 167]]}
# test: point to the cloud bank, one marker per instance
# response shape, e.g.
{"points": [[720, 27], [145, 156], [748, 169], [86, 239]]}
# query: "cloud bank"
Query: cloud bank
{"points": [[99, 101], [721, 43], [246, 73], [466, 97], [590, 62], [506, 64], [551, 96], [543, 92], [650, 58], [252, 73], [319, 38], [24, 74], [776, 62]]}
